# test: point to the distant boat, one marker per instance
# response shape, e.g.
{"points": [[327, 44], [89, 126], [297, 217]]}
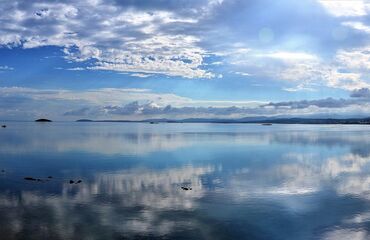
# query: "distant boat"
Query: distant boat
{"points": [[43, 120], [266, 124]]}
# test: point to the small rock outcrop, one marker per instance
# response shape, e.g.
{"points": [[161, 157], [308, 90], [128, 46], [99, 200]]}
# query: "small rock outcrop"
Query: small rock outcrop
{"points": [[43, 120], [33, 179], [75, 182], [30, 179]]}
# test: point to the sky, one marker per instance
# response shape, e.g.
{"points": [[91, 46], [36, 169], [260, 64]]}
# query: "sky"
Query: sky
{"points": [[139, 59]]}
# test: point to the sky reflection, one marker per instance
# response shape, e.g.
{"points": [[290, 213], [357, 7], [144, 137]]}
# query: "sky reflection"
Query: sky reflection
{"points": [[248, 182]]}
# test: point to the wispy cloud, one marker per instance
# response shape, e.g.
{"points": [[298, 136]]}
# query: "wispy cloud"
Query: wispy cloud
{"points": [[76, 69], [243, 74], [141, 75], [6, 68]]}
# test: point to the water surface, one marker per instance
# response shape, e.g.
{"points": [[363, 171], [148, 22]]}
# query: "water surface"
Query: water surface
{"points": [[248, 181]]}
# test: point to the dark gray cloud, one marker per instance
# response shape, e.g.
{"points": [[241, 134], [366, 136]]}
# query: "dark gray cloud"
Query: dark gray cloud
{"points": [[361, 93], [147, 109], [281, 108], [321, 103]]}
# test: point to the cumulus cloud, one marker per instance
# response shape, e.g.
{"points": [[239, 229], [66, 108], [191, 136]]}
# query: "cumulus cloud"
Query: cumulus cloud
{"points": [[118, 36], [347, 69]]}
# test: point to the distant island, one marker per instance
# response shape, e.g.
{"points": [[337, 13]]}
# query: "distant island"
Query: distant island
{"points": [[260, 120], [43, 120], [84, 120]]}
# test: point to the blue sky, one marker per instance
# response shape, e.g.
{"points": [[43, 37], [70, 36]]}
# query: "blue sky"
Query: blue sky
{"points": [[127, 59]]}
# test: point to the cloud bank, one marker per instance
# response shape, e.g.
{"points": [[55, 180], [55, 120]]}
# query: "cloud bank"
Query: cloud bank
{"points": [[136, 104]]}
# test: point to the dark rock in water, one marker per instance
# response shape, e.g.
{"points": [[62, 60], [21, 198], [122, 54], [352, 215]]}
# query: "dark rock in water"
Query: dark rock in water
{"points": [[30, 179], [186, 188], [71, 181], [2, 170], [43, 120], [79, 181], [3, 126], [33, 179], [50, 177]]}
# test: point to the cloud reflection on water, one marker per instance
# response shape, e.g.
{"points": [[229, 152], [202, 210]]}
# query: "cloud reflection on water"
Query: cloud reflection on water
{"points": [[296, 174], [127, 203]]}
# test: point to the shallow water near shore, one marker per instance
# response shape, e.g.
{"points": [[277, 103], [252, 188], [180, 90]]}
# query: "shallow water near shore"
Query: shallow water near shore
{"points": [[247, 181]]}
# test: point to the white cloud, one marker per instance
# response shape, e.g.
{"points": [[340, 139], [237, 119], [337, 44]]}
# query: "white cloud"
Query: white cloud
{"points": [[140, 75], [346, 8], [346, 234], [312, 74], [6, 68], [117, 38], [243, 74], [358, 25], [300, 87], [103, 96], [346, 69], [76, 69], [217, 63], [356, 59], [289, 56]]}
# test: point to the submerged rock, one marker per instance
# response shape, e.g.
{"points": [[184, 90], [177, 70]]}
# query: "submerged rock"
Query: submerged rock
{"points": [[71, 181], [50, 177], [79, 181], [3, 126], [186, 188]]}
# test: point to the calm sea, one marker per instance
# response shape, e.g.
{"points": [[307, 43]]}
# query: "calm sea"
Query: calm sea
{"points": [[247, 181]]}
